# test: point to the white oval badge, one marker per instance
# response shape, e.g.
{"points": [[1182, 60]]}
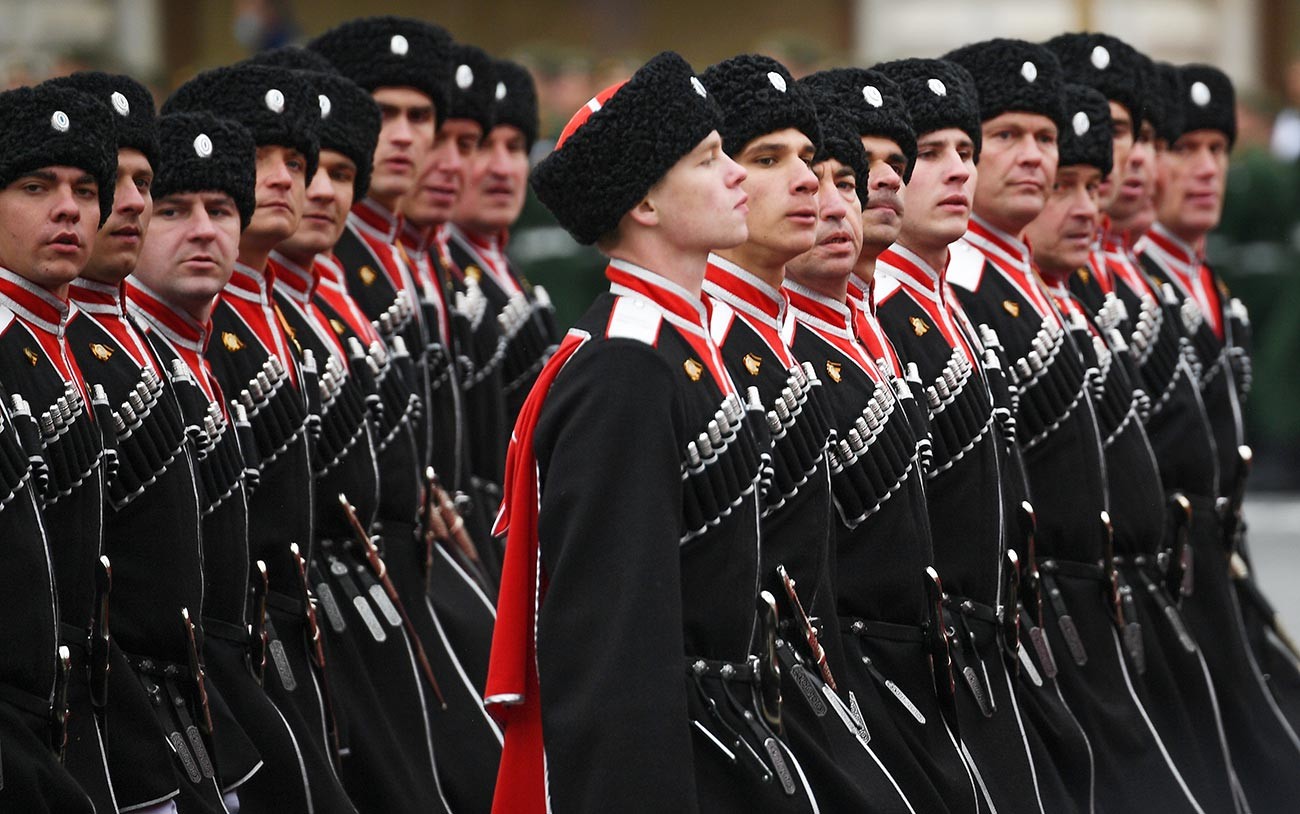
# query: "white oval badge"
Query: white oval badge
{"points": [[699, 86], [1081, 124], [777, 80], [60, 121], [325, 105], [1029, 71], [501, 91], [120, 104], [1100, 58], [274, 100], [936, 87], [1200, 94], [464, 77], [202, 145], [398, 45], [872, 94]]}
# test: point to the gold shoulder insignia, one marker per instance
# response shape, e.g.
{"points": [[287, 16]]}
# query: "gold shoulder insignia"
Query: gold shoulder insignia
{"points": [[1223, 288], [473, 272], [32, 356], [367, 275], [919, 326], [1011, 307], [693, 369], [833, 370], [231, 342], [752, 363], [337, 326], [1084, 275], [101, 351]]}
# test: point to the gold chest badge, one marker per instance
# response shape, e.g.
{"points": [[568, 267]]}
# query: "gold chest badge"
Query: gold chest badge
{"points": [[231, 342], [1011, 307], [101, 351], [919, 326], [337, 326], [367, 275], [833, 370], [473, 272], [1084, 275], [753, 363], [693, 369], [32, 356]]}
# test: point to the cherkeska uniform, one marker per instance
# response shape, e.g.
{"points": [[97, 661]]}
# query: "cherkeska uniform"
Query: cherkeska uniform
{"points": [[647, 700]]}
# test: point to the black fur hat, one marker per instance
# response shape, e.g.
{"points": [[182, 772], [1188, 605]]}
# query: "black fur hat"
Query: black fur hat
{"points": [[1208, 101], [1108, 64], [758, 96], [392, 52], [203, 153], [135, 122], [472, 86], [514, 99], [277, 105], [1013, 75], [939, 94], [872, 102], [621, 143], [350, 119], [1086, 137], [50, 126], [1167, 86]]}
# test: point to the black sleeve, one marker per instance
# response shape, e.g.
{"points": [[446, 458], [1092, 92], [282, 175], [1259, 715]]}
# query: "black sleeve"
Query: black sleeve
{"points": [[610, 641]]}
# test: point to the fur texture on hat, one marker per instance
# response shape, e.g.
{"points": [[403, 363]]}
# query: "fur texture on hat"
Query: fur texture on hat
{"points": [[620, 144], [840, 139], [939, 94], [50, 126], [277, 105], [1167, 82], [392, 52], [872, 102], [514, 99], [1209, 101], [200, 152], [1013, 75], [350, 119], [1108, 64], [135, 121], [758, 96], [1086, 137], [473, 83]]}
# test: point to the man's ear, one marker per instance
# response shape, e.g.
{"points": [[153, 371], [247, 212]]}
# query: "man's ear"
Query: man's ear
{"points": [[645, 213]]}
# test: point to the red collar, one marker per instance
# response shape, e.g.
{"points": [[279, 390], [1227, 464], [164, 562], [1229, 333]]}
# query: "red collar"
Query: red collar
{"points": [[912, 272], [372, 218], [34, 305], [729, 283], [96, 298], [1012, 257], [294, 281], [178, 327]]}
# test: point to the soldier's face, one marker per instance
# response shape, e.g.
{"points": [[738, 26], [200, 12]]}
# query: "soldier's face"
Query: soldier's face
{"points": [[281, 189], [191, 249], [1062, 234], [404, 138], [883, 217], [325, 209], [839, 229], [1190, 180], [699, 204], [117, 247], [1122, 138], [1136, 183], [940, 191], [496, 182], [48, 220], [1017, 164], [442, 173], [782, 193]]}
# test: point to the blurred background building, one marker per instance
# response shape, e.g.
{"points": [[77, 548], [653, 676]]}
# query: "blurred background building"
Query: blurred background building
{"points": [[576, 47]]}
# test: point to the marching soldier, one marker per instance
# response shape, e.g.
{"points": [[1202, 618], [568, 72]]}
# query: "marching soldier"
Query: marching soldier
{"points": [[770, 128], [58, 189], [490, 202], [252, 359], [1191, 173], [892, 636], [632, 477], [203, 197], [151, 515]]}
